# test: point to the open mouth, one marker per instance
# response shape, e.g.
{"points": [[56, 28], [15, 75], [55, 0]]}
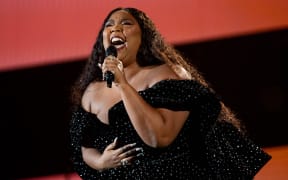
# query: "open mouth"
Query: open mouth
{"points": [[118, 42]]}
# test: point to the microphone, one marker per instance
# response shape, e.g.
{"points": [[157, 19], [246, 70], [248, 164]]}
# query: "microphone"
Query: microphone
{"points": [[109, 76]]}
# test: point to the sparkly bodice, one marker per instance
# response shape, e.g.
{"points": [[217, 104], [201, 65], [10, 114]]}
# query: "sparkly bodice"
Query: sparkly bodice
{"points": [[204, 147]]}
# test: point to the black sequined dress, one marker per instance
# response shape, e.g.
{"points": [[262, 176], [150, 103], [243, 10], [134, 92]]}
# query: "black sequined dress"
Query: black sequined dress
{"points": [[205, 148]]}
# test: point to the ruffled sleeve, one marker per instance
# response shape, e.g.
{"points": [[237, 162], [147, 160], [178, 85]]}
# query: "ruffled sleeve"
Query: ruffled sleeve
{"points": [[80, 125], [228, 152], [186, 95]]}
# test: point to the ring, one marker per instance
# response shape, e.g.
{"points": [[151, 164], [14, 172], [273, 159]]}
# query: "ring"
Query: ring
{"points": [[124, 162]]}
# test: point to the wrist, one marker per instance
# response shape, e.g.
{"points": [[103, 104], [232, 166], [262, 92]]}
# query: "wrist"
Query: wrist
{"points": [[123, 86], [99, 165]]}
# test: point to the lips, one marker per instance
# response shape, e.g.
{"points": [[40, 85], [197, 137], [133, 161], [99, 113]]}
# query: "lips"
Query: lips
{"points": [[118, 42]]}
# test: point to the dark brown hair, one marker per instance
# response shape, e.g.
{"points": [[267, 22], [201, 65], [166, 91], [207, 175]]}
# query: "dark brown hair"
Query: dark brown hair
{"points": [[153, 50]]}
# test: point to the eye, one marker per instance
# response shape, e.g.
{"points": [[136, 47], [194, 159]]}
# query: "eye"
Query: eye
{"points": [[127, 22], [108, 24]]}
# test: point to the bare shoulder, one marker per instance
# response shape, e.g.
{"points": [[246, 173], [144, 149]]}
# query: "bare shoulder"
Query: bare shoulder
{"points": [[164, 71], [89, 93], [161, 72]]}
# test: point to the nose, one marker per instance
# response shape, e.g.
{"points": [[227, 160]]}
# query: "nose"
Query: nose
{"points": [[115, 29]]}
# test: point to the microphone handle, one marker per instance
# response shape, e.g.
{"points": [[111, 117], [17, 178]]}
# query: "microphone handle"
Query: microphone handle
{"points": [[109, 77]]}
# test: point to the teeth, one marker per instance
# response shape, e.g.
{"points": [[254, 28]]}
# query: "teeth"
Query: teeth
{"points": [[116, 39]]}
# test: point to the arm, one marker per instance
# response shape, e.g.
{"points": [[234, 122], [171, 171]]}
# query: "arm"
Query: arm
{"points": [[85, 157], [91, 157], [83, 153], [157, 127]]}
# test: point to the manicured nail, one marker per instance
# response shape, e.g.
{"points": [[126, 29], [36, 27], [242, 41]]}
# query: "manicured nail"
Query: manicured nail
{"points": [[115, 139], [139, 149], [133, 144], [140, 154]]}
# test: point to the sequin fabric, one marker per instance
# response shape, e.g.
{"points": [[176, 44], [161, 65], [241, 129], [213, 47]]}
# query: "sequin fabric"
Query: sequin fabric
{"points": [[204, 149]]}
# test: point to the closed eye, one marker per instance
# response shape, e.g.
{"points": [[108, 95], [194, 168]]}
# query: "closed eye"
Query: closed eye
{"points": [[108, 24], [127, 22]]}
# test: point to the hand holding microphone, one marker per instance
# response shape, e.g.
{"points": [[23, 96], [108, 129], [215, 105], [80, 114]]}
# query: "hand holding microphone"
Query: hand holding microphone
{"points": [[108, 75]]}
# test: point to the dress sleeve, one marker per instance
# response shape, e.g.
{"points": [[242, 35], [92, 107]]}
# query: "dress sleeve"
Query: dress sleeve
{"points": [[229, 152], [79, 127], [186, 95]]}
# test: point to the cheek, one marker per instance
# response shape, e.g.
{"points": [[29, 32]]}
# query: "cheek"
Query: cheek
{"points": [[106, 40], [137, 37]]}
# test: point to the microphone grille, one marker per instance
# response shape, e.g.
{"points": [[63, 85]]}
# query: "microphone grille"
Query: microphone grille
{"points": [[111, 50]]}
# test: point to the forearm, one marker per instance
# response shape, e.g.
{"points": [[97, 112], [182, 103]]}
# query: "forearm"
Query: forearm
{"points": [[91, 157]]}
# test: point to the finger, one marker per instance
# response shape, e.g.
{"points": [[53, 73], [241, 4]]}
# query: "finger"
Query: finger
{"points": [[126, 161], [120, 65], [110, 66], [112, 145], [107, 62], [129, 159], [108, 71], [132, 152], [125, 148]]}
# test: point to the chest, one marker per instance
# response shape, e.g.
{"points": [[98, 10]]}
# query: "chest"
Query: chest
{"points": [[102, 100]]}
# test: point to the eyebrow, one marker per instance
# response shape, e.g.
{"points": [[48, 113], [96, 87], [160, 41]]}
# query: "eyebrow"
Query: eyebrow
{"points": [[124, 19]]}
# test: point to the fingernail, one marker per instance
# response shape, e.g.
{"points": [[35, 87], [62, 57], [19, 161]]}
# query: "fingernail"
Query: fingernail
{"points": [[139, 149], [133, 144], [115, 139], [140, 154]]}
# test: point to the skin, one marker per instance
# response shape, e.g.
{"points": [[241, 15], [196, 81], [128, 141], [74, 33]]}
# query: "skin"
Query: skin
{"points": [[157, 127]]}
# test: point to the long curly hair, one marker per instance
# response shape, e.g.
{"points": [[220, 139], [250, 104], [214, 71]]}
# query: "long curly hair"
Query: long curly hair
{"points": [[154, 50]]}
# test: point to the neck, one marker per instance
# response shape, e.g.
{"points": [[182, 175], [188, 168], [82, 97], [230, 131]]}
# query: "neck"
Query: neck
{"points": [[131, 71]]}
